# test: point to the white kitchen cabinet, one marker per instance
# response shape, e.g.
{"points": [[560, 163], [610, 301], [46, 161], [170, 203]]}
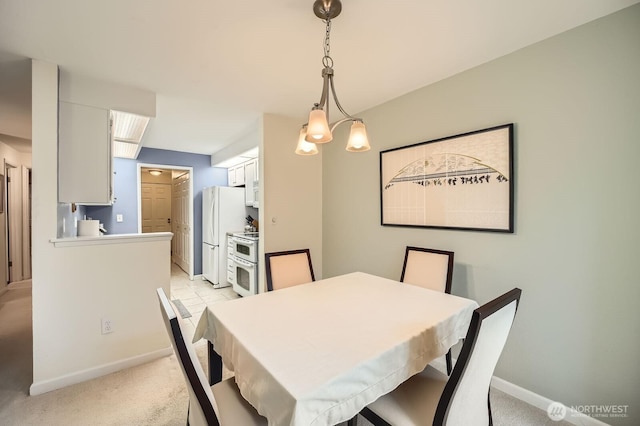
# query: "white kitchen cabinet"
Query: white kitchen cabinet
{"points": [[85, 162], [236, 175], [246, 174], [231, 176], [251, 182]]}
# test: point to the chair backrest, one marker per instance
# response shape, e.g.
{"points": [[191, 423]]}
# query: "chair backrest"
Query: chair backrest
{"points": [[202, 406], [464, 400], [428, 268], [288, 268]]}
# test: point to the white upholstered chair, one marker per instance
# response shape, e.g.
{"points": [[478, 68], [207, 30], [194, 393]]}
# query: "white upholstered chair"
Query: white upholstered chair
{"points": [[288, 268], [428, 268], [431, 397], [432, 269], [220, 404]]}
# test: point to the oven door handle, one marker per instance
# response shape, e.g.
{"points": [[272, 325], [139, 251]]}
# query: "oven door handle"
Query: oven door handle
{"points": [[243, 241], [243, 262]]}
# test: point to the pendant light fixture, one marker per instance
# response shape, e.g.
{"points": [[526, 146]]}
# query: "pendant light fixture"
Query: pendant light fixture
{"points": [[304, 147], [317, 130]]}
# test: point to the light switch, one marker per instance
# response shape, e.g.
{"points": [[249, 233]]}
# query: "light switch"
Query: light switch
{"points": [[119, 218]]}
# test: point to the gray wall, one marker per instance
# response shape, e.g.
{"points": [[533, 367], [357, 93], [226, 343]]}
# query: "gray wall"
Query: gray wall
{"points": [[290, 199], [575, 101]]}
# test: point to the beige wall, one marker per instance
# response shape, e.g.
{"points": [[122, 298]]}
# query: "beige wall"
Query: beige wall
{"points": [[84, 90], [44, 205], [287, 221], [74, 287], [574, 100]]}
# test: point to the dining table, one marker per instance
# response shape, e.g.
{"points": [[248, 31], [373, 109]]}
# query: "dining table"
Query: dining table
{"points": [[318, 353]]}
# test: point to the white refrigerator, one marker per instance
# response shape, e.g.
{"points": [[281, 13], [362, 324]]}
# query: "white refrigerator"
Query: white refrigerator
{"points": [[223, 210]]}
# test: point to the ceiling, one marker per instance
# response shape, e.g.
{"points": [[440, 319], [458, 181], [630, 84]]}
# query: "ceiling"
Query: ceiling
{"points": [[217, 66]]}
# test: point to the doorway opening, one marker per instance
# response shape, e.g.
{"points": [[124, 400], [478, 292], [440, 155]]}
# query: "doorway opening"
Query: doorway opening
{"points": [[165, 195], [16, 204]]}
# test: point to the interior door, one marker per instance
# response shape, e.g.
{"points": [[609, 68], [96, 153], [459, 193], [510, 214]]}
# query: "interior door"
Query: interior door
{"points": [[161, 208], [176, 246], [180, 221], [146, 194], [14, 212], [26, 222], [156, 207]]}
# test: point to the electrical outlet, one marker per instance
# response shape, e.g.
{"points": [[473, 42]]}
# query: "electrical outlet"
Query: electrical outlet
{"points": [[107, 326]]}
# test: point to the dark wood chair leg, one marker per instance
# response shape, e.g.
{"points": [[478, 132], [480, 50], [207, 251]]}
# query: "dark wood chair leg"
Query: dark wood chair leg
{"points": [[449, 363], [373, 418], [215, 365], [353, 421]]}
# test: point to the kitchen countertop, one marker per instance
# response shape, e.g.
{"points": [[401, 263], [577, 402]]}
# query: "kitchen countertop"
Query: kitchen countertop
{"points": [[111, 239]]}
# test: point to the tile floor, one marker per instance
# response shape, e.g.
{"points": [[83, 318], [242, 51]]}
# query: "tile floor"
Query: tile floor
{"points": [[195, 296]]}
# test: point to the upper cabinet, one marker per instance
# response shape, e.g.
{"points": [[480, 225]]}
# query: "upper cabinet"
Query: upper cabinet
{"points": [[236, 175], [85, 162], [246, 174], [251, 183]]}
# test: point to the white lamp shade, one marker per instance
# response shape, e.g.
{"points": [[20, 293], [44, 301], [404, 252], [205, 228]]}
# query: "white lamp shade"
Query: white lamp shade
{"points": [[318, 128], [304, 147], [358, 140]]}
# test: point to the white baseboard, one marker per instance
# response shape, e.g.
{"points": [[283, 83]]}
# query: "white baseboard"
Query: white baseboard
{"points": [[44, 386], [541, 402], [531, 398]]}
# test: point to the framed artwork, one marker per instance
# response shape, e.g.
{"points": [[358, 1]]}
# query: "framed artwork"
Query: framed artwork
{"points": [[458, 182]]}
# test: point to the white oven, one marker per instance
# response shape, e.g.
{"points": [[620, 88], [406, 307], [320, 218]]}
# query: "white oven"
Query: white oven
{"points": [[245, 276], [245, 247], [243, 263]]}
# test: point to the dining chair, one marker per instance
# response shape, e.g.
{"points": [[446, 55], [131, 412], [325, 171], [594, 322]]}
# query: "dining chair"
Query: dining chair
{"points": [[432, 269], [288, 268], [220, 404], [431, 397], [428, 268]]}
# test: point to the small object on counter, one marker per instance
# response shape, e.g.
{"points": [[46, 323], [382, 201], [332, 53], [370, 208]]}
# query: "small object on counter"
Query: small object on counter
{"points": [[252, 224], [88, 228]]}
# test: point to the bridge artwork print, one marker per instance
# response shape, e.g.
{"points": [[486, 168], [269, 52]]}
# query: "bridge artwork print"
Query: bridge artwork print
{"points": [[458, 182]]}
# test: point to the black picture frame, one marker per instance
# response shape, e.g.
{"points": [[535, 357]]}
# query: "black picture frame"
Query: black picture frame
{"points": [[462, 182]]}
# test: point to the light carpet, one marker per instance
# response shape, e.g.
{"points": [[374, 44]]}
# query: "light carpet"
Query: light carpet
{"points": [[149, 394]]}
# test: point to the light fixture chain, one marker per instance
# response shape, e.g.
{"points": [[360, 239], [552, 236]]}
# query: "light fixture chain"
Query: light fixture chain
{"points": [[327, 61], [317, 129]]}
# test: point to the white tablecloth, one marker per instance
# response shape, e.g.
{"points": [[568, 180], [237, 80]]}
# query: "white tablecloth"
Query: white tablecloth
{"points": [[316, 354]]}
